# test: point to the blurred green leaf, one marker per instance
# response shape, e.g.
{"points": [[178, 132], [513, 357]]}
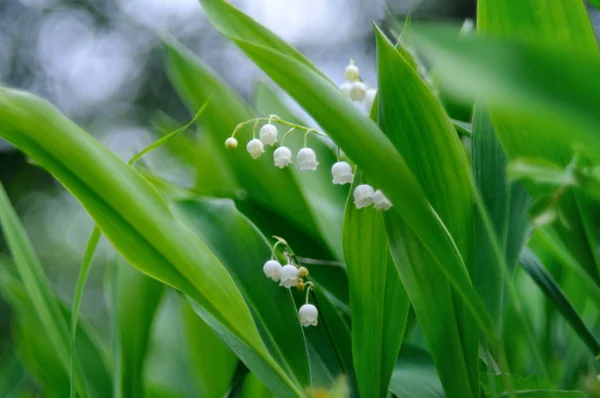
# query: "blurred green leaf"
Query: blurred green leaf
{"points": [[244, 250], [530, 387], [377, 298], [415, 375], [366, 145], [129, 211], [415, 122]]}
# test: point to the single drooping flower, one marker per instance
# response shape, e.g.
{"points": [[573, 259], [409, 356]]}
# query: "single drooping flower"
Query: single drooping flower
{"points": [[255, 148], [345, 87], [380, 201], [282, 157], [268, 134], [231, 143], [288, 276], [370, 98], [342, 173], [272, 269], [308, 315], [358, 91], [363, 196], [307, 159], [352, 73]]}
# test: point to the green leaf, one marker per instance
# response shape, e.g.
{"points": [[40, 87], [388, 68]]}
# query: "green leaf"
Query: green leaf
{"points": [[415, 122], [217, 223], [415, 375], [377, 298], [132, 215], [366, 145], [532, 265], [530, 387]]}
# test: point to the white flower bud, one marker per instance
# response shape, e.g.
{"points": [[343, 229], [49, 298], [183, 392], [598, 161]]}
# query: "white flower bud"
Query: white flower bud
{"points": [[352, 73], [255, 148], [307, 159], [268, 134], [308, 315], [342, 173], [231, 143], [380, 201], [288, 276], [370, 98], [358, 91], [345, 87], [272, 269], [282, 157], [363, 196]]}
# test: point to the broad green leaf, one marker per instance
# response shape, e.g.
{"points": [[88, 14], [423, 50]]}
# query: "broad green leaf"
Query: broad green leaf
{"points": [[415, 122], [367, 146], [377, 298], [532, 265], [526, 387], [213, 365], [38, 288], [138, 299], [506, 205], [415, 375], [244, 250], [131, 214], [253, 388]]}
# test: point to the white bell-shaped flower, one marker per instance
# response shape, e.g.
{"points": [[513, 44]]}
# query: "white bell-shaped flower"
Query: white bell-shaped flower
{"points": [[268, 134], [272, 269], [358, 91], [255, 148], [352, 73], [363, 196], [370, 98], [308, 315], [282, 157], [342, 173], [307, 159], [231, 143], [380, 201], [288, 276], [345, 87]]}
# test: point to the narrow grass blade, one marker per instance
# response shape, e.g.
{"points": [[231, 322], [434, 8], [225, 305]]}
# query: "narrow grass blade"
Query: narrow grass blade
{"points": [[532, 265], [377, 299]]}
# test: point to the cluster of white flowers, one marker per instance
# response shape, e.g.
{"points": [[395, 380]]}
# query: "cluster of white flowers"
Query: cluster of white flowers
{"points": [[356, 89], [291, 275], [365, 195], [282, 156]]}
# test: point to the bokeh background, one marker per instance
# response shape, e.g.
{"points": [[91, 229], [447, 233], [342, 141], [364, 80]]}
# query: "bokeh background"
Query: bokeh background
{"points": [[100, 62]]}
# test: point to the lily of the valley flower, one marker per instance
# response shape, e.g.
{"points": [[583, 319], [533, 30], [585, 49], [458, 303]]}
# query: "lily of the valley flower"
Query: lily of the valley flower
{"points": [[380, 201], [272, 269], [363, 196], [231, 143], [268, 134], [288, 276], [255, 148], [308, 315], [358, 91], [282, 157], [352, 73], [307, 159], [342, 173], [370, 98], [345, 87]]}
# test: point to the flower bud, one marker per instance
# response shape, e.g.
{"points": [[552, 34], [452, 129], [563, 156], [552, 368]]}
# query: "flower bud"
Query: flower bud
{"points": [[288, 276], [282, 157], [303, 272], [255, 148], [352, 73], [272, 270], [308, 315], [307, 159], [380, 201], [342, 173], [370, 98], [300, 285], [345, 88], [231, 143], [363, 196], [268, 134], [358, 91]]}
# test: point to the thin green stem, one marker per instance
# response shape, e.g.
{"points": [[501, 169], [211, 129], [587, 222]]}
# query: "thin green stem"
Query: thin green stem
{"points": [[286, 134], [275, 248], [254, 128], [308, 285]]}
